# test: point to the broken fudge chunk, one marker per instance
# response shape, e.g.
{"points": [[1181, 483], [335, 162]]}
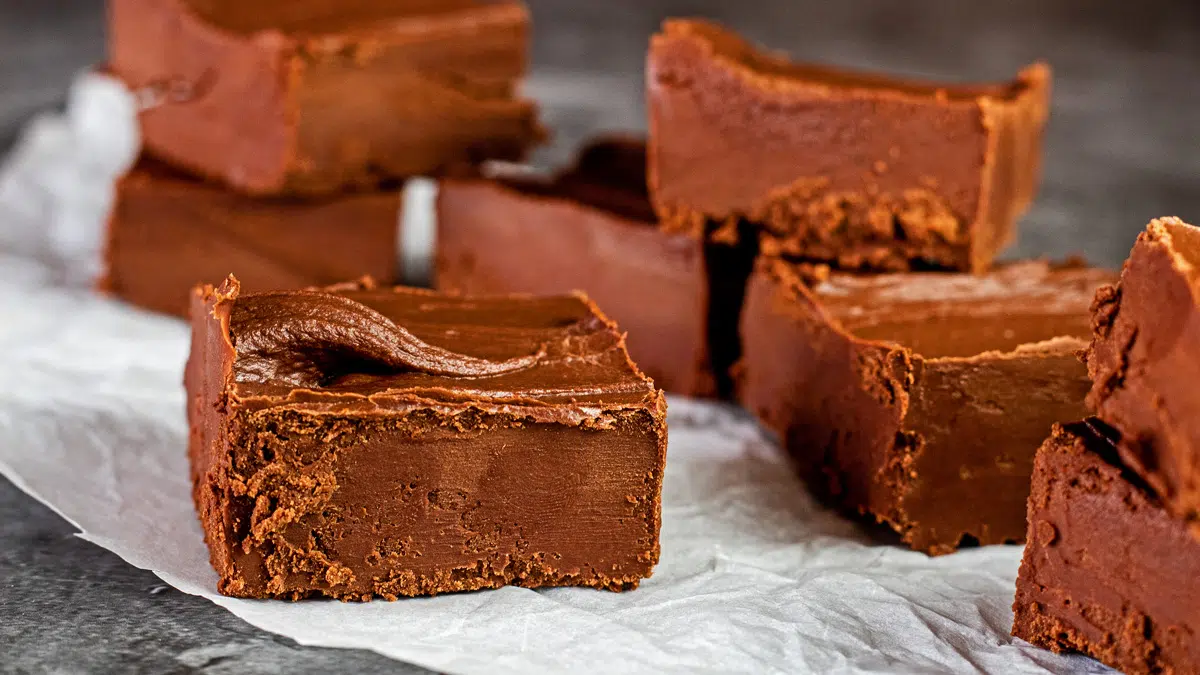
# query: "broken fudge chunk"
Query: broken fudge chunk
{"points": [[918, 399], [862, 171], [1107, 571]]}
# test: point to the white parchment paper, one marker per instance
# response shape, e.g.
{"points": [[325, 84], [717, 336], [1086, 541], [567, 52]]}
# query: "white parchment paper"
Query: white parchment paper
{"points": [[754, 577]]}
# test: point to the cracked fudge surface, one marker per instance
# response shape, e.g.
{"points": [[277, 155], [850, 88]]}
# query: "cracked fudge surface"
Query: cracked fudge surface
{"points": [[1107, 570], [860, 171], [918, 399], [1144, 360], [167, 230], [363, 441], [319, 96]]}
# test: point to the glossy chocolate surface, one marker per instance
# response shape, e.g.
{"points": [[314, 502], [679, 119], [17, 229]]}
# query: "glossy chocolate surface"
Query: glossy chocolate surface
{"points": [[944, 315]]}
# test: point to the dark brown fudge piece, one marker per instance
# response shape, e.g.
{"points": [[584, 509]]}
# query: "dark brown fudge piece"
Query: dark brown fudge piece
{"points": [[1107, 571], [858, 170], [919, 398], [589, 228], [362, 441], [315, 96], [1145, 362], [168, 232]]}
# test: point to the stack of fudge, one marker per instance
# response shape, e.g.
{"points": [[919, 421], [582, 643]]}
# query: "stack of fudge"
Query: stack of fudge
{"points": [[352, 439], [1113, 555], [817, 245], [278, 134]]}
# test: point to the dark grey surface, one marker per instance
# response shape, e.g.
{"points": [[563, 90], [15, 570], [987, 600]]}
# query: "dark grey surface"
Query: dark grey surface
{"points": [[67, 606], [1122, 148]]}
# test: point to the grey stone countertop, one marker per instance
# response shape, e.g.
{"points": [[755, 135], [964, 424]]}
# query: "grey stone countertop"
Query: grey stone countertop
{"points": [[1121, 149]]}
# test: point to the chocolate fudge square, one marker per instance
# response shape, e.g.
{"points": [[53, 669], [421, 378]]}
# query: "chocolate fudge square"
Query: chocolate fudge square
{"points": [[1107, 570], [918, 399], [168, 231], [858, 170], [1144, 361], [589, 227], [366, 441], [318, 96]]}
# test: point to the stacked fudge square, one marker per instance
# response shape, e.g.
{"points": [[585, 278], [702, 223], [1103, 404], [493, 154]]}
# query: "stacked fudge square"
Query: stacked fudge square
{"points": [[818, 245], [592, 226], [1113, 555], [278, 134]]}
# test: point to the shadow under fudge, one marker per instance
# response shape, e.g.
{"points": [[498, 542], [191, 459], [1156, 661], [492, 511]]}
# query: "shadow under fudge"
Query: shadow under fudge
{"points": [[364, 441], [918, 399], [591, 227], [857, 170]]}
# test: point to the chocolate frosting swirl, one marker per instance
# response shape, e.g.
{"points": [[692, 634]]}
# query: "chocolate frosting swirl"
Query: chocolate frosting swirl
{"points": [[309, 338]]}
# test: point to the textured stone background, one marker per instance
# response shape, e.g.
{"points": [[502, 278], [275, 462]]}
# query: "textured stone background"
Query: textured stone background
{"points": [[1122, 148]]}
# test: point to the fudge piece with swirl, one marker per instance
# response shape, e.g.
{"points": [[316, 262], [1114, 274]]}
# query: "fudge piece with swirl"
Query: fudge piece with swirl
{"points": [[361, 441]]}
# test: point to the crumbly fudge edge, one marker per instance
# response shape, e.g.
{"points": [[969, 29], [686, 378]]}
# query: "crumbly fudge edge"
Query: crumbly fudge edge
{"points": [[810, 221], [212, 408], [264, 495], [1134, 649]]}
